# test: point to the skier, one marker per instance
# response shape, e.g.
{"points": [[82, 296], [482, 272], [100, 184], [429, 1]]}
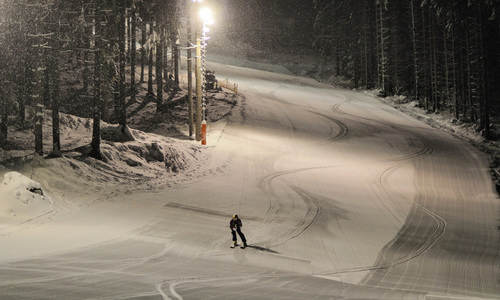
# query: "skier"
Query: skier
{"points": [[235, 225]]}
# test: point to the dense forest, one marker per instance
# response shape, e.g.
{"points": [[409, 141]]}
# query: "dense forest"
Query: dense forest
{"points": [[86, 57], [443, 53], [81, 57]]}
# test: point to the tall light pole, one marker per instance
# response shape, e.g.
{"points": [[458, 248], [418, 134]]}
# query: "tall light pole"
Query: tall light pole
{"points": [[206, 17], [201, 43], [197, 72], [197, 75], [189, 70]]}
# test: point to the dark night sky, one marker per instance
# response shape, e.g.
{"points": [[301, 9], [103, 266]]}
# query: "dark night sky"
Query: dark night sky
{"points": [[265, 24]]}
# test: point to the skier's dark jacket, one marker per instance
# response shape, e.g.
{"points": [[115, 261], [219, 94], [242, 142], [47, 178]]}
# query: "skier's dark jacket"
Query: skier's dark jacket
{"points": [[235, 223]]}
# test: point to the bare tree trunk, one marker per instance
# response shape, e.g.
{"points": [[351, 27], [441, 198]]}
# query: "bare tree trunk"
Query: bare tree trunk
{"points": [[454, 73], [37, 91], [427, 73], [164, 45], [415, 54], [143, 49], [463, 75], [175, 52], [446, 67], [133, 50], [122, 62], [22, 94], [4, 115], [151, 61], [383, 54], [483, 99], [128, 38], [366, 50], [95, 151], [468, 70], [159, 70], [433, 57], [56, 137]]}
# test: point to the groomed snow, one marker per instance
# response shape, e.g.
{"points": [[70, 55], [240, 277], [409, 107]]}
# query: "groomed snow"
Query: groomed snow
{"points": [[341, 197]]}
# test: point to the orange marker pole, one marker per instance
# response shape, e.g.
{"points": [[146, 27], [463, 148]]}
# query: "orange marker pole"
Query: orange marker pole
{"points": [[204, 132]]}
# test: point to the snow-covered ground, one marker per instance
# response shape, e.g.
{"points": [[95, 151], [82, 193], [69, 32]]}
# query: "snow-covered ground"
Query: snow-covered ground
{"points": [[341, 196], [22, 198]]}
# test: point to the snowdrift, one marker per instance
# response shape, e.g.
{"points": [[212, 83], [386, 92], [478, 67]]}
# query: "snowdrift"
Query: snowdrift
{"points": [[21, 199]]}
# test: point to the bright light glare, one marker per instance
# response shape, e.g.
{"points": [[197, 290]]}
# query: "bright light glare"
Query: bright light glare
{"points": [[206, 15]]}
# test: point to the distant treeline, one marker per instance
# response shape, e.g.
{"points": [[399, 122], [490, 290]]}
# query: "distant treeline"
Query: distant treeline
{"points": [[60, 54], [444, 53]]}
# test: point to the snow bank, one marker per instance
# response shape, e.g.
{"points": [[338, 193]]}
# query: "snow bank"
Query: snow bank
{"points": [[21, 199], [157, 155]]}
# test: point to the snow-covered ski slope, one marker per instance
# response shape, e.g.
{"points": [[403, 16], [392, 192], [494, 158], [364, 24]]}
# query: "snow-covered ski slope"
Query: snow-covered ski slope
{"points": [[341, 197]]}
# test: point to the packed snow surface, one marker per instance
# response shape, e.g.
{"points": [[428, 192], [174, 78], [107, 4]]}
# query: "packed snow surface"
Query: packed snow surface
{"points": [[341, 197]]}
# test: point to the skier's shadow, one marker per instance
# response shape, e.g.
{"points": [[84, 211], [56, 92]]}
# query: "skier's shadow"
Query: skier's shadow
{"points": [[263, 249]]}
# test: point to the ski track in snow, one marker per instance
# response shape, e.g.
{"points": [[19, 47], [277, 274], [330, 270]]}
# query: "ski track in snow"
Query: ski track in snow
{"points": [[313, 213]]}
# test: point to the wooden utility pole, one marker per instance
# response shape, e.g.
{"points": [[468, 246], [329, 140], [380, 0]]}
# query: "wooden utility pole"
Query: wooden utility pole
{"points": [[189, 69], [198, 76], [198, 85]]}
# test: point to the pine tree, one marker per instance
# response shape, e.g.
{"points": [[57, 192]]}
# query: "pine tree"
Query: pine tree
{"points": [[159, 66], [97, 106], [383, 45], [133, 50], [56, 16], [122, 107], [38, 10]]}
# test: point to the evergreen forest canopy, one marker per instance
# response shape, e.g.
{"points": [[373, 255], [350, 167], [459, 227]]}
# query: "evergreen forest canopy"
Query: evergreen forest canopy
{"points": [[74, 55], [81, 56], [443, 53]]}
